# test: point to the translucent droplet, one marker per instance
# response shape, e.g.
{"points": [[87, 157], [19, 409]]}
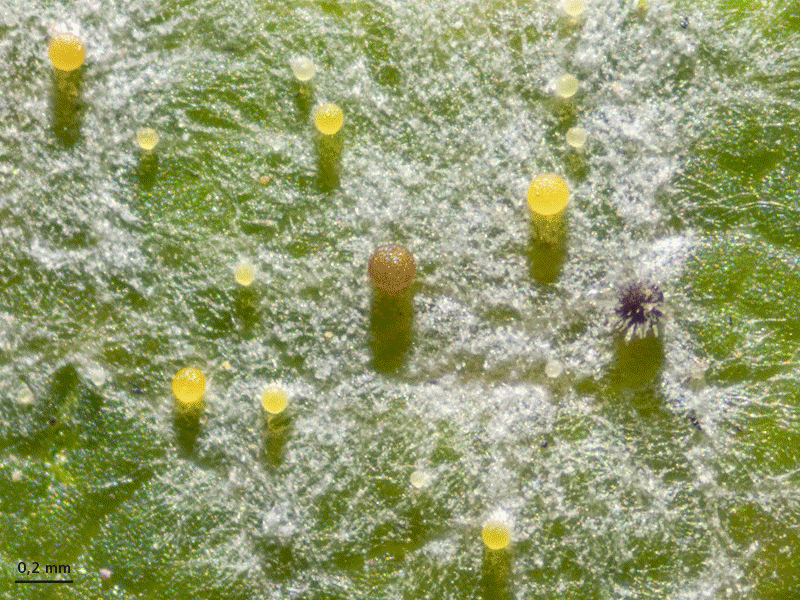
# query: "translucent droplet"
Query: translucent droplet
{"points": [[25, 396], [302, 67], [420, 479], [147, 138], [567, 86], [553, 369], [574, 8], [576, 137]]}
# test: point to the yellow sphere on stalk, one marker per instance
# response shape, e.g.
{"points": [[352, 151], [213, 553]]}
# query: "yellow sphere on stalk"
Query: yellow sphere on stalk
{"points": [[147, 138], [496, 535], [329, 119], [244, 273], [189, 385], [66, 52], [548, 195], [274, 400]]}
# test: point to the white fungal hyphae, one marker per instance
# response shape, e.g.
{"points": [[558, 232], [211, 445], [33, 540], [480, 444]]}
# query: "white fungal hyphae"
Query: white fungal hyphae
{"points": [[639, 312]]}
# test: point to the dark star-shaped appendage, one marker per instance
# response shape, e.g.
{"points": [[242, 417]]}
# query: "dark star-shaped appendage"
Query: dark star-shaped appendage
{"points": [[640, 310]]}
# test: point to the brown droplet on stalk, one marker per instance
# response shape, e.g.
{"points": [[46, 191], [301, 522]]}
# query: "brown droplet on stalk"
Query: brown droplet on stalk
{"points": [[392, 268]]}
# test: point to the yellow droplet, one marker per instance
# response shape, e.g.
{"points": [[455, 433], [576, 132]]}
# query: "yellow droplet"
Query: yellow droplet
{"points": [[189, 385], [274, 400], [244, 273], [302, 68], [548, 195], [574, 8], [496, 535], [566, 86], [329, 119], [66, 52], [147, 138], [576, 137]]}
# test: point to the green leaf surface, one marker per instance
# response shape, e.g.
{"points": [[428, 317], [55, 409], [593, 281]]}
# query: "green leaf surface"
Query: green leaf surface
{"points": [[664, 467]]}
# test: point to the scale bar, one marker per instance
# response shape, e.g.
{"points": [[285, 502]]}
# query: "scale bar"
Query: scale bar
{"points": [[44, 581]]}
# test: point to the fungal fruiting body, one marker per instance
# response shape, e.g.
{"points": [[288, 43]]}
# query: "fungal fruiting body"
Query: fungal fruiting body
{"points": [[548, 195], [189, 385], [639, 311], [302, 68], [274, 400], [392, 268], [328, 119], [496, 534], [66, 52], [147, 138]]}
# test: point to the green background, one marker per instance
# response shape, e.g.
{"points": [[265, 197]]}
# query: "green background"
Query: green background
{"points": [[660, 469]]}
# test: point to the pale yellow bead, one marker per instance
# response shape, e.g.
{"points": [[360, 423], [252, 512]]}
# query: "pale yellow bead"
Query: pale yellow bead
{"points": [[567, 86], [302, 68], [274, 400], [574, 8], [496, 535], [576, 137], [147, 138], [420, 479], [329, 119], [244, 273]]}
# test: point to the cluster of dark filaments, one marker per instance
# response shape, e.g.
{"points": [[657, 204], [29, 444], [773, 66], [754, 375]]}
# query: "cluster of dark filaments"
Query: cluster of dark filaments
{"points": [[639, 310]]}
